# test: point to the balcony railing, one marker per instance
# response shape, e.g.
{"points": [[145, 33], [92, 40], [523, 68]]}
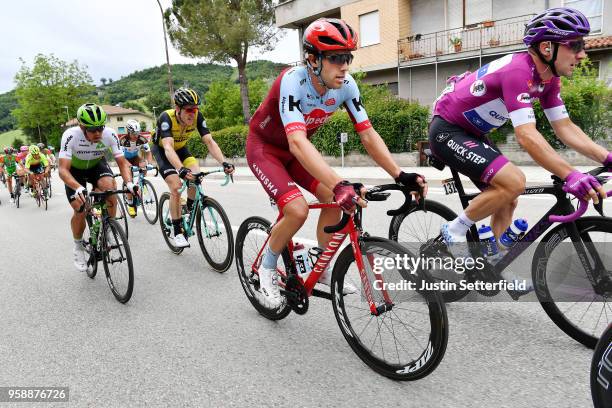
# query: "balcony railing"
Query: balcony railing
{"points": [[488, 34]]}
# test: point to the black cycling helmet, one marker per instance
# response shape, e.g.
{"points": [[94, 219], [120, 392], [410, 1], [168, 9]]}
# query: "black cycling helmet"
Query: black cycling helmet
{"points": [[186, 96]]}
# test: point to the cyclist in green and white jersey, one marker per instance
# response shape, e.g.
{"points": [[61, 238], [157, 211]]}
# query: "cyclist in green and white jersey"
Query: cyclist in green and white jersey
{"points": [[81, 161]]}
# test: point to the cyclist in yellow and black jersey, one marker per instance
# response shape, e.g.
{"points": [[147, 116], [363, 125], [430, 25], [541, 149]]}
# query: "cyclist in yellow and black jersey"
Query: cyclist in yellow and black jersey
{"points": [[174, 128]]}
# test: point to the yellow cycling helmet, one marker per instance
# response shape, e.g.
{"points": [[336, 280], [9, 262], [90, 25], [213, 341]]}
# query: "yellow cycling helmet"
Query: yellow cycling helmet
{"points": [[34, 150]]}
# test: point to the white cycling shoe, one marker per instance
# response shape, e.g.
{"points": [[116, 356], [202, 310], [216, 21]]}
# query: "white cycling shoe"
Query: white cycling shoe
{"points": [[268, 285], [325, 279], [180, 241], [81, 256], [457, 245]]}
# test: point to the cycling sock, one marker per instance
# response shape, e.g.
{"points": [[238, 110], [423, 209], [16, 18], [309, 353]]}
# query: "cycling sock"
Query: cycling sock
{"points": [[78, 243], [269, 259], [460, 225], [189, 204], [177, 226]]}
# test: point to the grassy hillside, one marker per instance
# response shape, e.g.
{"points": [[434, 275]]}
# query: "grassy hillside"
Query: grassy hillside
{"points": [[6, 138]]}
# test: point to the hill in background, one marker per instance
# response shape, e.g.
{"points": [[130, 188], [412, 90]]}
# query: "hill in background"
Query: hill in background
{"points": [[140, 84]]}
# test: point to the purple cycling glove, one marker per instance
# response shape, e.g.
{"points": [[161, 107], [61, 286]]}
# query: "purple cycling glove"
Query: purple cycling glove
{"points": [[608, 161], [579, 184]]}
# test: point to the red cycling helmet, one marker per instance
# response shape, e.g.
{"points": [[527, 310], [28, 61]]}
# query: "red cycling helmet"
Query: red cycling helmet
{"points": [[329, 34]]}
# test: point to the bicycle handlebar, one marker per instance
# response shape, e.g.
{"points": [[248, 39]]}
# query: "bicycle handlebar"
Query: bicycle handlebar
{"points": [[582, 207], [372, 194]]}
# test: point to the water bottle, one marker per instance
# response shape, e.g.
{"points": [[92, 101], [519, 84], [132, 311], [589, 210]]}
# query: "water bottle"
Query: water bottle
{"points": [[488, 242], [302, 263], [95, 226], [513, 234]]}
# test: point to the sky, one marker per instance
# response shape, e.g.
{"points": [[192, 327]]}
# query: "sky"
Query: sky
{"points": [[112, 37]]}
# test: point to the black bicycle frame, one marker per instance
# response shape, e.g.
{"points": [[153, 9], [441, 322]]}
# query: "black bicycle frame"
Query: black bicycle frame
{"points": [[563, 206]]}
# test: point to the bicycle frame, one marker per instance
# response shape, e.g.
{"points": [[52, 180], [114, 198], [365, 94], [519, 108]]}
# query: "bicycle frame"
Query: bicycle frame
{"points": [[562, 206], [352, 229]]}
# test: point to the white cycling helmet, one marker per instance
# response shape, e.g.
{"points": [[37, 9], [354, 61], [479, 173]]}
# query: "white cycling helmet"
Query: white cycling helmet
{"points": [[133, 126]]}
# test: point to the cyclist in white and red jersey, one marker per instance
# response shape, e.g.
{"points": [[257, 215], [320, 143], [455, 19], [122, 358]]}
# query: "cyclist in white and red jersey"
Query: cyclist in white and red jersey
{"points": [[281, 156], [473, 104]]}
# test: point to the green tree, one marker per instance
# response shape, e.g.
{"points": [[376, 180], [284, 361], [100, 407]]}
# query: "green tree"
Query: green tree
{"points": [[18, 142], [42, 92], [223, 107], [133, 105], [157, 99], [223, 30], [103, 80]]}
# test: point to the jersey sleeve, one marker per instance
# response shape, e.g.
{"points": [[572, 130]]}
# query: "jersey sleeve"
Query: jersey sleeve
{"points": [[201, 125], [515, 92], [289, 103], [66, 145], [354, 105], [28, 161], [44, 160], [164, 126], [551, 101], [113, 143]]}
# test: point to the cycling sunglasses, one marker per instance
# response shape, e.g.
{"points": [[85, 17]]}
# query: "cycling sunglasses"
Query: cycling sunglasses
{"points": [[576, 46], [94, 129], [340, 59], [191, 110]]}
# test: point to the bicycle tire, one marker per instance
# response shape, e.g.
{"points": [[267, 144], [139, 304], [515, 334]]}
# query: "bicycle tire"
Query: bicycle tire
{"points": [[113, 227], [49, 187], [434, 315], [546, 291], [226, 262], [601, 371], [123, 218], [151, 219], [260, 227], [166, 224], [92, 262], [414, 242]]}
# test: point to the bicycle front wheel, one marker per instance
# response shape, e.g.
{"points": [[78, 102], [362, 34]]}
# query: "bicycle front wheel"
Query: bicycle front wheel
{"points": [[250, 240], [416, 230], [121, 217], [215, 235], [579, 308], [149, 202], [165, 223], [117, 261], [601, 371], [406, 339]]}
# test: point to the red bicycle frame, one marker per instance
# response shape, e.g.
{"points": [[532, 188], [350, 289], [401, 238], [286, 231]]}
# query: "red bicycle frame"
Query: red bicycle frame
{"points": [[328, 254]]}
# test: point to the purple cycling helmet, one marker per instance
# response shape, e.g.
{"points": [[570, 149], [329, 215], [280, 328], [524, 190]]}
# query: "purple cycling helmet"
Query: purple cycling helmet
{"points": [[556, 24]]}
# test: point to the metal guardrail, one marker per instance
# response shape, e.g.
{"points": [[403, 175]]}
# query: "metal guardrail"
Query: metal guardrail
{"points": [[487, 34]]}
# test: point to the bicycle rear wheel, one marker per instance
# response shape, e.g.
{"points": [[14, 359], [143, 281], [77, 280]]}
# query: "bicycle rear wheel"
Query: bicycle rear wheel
{"points": [[250, 240], [149, 202], [561, 282], [117, 260], [165, 223], [215, 235], [405, 341]]}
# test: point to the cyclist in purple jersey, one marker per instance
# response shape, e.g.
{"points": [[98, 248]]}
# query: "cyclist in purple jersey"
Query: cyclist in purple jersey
{"points": [[473, 104]]}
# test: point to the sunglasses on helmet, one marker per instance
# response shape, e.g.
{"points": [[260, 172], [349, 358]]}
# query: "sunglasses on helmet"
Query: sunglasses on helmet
{"points": [[94, 129], [576, 45], [340, 59]]}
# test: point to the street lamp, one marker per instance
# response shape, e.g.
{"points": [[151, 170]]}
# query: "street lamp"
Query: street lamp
{"points": [[154, 116], [170, 88], [67, 115]]}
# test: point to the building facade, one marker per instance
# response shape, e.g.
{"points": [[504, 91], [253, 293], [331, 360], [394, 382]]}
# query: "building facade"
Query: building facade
{"points": [[413, 46]]}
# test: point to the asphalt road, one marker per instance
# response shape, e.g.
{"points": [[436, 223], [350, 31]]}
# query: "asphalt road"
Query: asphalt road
{"points": [[189, 336]]}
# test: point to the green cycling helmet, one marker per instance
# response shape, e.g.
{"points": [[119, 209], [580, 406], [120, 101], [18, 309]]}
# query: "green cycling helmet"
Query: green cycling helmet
{"points": [[91, 114]]}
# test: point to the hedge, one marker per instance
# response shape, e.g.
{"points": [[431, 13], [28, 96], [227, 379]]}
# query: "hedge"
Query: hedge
{"points": [[231, 141]]}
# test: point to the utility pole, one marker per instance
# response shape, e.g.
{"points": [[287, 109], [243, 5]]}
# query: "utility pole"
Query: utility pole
{"points": [[170, 87]]}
